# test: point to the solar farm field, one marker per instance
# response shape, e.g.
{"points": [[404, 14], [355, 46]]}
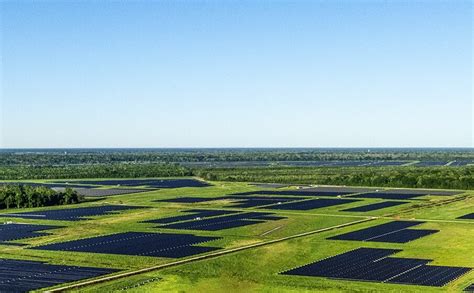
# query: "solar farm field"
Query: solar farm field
{"points": [[187, 235]]}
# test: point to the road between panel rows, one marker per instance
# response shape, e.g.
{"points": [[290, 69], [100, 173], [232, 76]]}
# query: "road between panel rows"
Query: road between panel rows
{"points": [[201, 257]]}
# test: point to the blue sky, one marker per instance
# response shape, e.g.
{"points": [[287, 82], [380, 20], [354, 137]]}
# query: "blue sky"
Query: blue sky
{"points": [[236, 74]]}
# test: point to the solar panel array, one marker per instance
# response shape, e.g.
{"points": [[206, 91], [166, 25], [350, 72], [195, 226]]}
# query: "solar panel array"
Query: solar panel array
{"points": [[375, 206], [258, 201], [11, 232], [225, 222], [468, 216], [374, 264], [430, 163], [75, 214], [192, 215], [189, 199], [387, 195], [299, 192], [310, 204], [25, 276], [137, 243], [423, 191], [155, 183], [395, 232]]}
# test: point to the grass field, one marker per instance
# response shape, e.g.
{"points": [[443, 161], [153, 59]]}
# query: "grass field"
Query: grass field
{"points": [[257, 268]]}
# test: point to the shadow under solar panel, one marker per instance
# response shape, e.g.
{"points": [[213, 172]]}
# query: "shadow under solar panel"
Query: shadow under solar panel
{"points": [[374, 264], [310, 204], [375, 206]]}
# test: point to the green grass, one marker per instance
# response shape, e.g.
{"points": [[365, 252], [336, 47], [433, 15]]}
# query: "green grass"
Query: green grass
{"points": [[257, 269]]}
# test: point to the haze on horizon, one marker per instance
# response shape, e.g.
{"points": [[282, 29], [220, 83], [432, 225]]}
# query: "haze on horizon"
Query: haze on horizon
{"points": [[236, 74]]}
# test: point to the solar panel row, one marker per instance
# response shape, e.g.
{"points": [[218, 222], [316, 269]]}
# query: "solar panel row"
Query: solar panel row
{"points": [[24, 276], [375, 206], [75, 214], [11, 232], [387, 195], [310, 204], [137, 243], [299, 192], [224, 222], [468, 216], [192, 215], [374, 264], [395, 232]]}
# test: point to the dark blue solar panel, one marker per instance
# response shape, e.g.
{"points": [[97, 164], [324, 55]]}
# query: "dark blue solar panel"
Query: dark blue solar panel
{"points": [[395, 231], [75, 214], [468, 216], [310, 204], [376, 206], [10, 232], [300, 192], [193, 215], [388, 195], [436, 276], [370, 264], [224, 222], [24, 276], [137, 243], [190, 199]]}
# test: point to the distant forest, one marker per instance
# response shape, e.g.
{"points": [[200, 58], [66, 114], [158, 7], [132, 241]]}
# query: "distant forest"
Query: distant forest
{"points": [[113, 156], [117, 163]]}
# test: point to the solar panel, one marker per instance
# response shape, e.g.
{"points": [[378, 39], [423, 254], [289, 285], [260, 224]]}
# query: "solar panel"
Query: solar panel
{"points": [[300, 192], [192, 215], [423, 191], [388, 195], [310, 204], [11, 232], [190, 199], [376, 206], [137, 243], [224, 222], [374, 264], [395, 232], [468, 216], [74, 214], [24, 276]]}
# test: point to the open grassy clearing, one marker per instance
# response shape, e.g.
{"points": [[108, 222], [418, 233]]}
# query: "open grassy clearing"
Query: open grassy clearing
{"points": [[255, 268]]}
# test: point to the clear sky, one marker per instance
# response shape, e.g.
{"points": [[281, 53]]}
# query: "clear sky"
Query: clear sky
{"points": [[236, 74]]}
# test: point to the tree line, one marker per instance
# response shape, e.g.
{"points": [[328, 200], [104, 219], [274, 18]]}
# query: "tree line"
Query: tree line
{"points": [[24, 196], [146, 156], [410, 177]]}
